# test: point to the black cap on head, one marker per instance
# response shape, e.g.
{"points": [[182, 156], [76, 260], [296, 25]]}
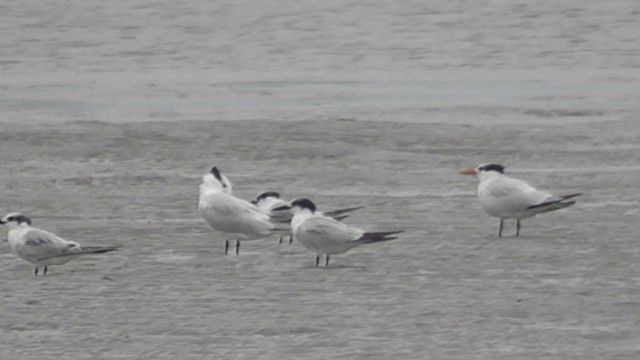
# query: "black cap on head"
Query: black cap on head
{"points": [[304, 203], [216, 173], [492, 167], [266, 194], [19, 218]]}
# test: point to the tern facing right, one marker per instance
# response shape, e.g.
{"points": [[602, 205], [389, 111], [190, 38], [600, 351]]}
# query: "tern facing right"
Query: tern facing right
{"points": [[325, 235], [509, 198], [43, 248]]}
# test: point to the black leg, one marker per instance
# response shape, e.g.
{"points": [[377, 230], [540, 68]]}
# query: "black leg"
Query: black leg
{"points": [[226, 247], [326, 262], [317, 260], [280, 241], [500, 229], [237, 247], [517, 227], [35, 273], [45, 271], [290, 239]]}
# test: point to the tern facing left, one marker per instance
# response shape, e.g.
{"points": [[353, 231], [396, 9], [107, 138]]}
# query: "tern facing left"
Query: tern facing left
{"points": [[325, 235], [508, 198], [41, 247], [269, 201]]}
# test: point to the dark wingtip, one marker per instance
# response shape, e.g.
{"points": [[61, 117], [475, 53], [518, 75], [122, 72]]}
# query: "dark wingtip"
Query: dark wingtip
{"points": [[565, 197], [108, 249], [386, 234], [373, 237], [340, 213]]}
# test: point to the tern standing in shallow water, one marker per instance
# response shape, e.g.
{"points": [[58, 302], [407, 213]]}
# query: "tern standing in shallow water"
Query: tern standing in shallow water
{"points": [[238, 218], [43, 248], [325, 235], [509, 198]]}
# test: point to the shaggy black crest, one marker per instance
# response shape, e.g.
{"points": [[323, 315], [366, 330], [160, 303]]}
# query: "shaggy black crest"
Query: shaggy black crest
{"points": [[492, 167], [266, 194], [20, 219], [216, 173], [304, 203]]}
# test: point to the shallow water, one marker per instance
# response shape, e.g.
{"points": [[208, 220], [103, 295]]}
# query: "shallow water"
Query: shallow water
{"points": [[398, 98], [481, 61]]}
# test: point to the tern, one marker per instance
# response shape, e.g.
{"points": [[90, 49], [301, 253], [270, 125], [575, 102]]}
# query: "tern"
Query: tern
{"points": [[508, 198], [325, 235], [41, 247], [268, 201], [238, 218]]}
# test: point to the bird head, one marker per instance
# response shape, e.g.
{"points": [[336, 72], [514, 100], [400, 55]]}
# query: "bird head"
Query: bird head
{"points": [[264, 196], [483, 170], [300, 204], [214, 179], [15, 219]]}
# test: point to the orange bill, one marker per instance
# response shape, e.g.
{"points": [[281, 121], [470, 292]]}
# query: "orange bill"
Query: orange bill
{"points": [[468, 171]]}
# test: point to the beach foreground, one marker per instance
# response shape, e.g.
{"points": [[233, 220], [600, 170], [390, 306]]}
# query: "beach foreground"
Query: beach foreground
{"points": [[449, 288]]}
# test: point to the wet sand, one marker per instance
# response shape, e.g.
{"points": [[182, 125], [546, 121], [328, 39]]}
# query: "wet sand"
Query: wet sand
{"points": [[110, 112], [449, 288]]}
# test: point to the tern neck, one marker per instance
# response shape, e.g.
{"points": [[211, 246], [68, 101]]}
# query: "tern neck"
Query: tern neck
{"points": [[14, 225], [488, 175], [298, 218]]}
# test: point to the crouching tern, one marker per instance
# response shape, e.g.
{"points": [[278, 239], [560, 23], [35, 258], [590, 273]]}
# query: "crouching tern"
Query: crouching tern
{"points": [[268, 201], [237, 218], [41, 247], [508, 198], [325, 235]]}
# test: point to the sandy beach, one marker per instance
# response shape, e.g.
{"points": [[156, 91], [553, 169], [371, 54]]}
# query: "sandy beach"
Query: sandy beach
{"points": [[566, 288], [110, 113]]}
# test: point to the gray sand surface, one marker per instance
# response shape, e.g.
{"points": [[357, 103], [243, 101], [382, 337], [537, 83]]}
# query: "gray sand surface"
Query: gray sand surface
{"points": [[111, 111], [568, 287]]}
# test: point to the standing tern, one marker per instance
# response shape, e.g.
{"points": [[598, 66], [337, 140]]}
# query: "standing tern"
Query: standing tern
{"points": [[268, 201], [325, 235], [508, 198], [41, 247], [239, 219]]}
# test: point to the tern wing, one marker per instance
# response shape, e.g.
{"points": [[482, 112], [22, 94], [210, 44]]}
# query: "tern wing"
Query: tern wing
{"points": [[326, 235], [505, 196], [38, 245], [236, 216]]}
